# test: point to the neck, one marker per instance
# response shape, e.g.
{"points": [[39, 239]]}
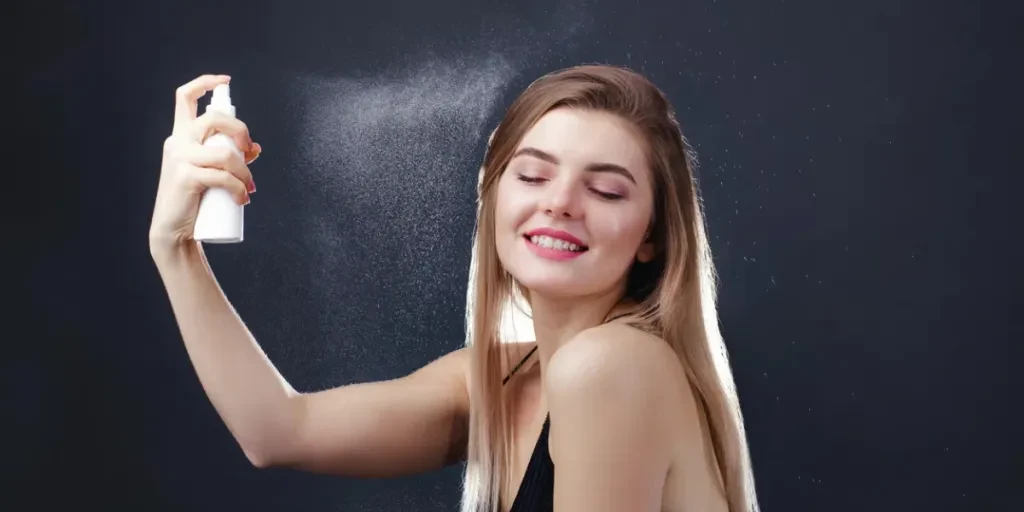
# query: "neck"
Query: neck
{"points": [[556, 320]]}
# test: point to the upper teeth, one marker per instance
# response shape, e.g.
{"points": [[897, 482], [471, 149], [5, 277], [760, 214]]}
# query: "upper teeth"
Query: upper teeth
{"points": [[554, 243]]}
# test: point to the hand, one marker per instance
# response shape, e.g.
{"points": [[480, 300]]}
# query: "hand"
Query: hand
{"points": [[189, 168]]}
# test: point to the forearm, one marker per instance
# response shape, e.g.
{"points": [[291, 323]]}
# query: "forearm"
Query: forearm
{"points": [[252, 398]]}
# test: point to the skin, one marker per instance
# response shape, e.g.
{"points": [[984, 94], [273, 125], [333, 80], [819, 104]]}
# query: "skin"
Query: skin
{"points": [[619, 442]]}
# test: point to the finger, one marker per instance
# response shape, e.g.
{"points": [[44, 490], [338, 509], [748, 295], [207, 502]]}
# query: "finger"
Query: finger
{"points": [[187, 98], [214, 121], [243, 140], [223, 159], [214, 178], [254, 153]]}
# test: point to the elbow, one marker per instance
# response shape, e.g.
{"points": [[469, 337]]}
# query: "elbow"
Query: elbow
{"points": [[263, 454], [274, 445], [257, 459], [261, 459], [266, 454]]}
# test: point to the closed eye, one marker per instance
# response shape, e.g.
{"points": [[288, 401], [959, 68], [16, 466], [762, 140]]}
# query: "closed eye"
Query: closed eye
{"points": [[607, 195], [530, 179]]}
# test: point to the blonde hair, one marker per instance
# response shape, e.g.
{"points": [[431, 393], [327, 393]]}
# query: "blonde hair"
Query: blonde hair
{"points": [[675, 292]]}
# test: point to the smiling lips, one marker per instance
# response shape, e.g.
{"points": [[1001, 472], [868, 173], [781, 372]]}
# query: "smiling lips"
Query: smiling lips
{"points": [[554, 244]]}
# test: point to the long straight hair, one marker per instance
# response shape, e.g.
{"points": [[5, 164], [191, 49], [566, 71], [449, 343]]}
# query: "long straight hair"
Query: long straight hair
{"points": [[675, 292]]}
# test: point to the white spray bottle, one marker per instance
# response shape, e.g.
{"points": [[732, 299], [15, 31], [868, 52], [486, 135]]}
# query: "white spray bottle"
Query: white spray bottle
{"points": [[220, 218]]}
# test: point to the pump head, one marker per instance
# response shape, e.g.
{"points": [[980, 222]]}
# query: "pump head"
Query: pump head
{"points": [[221, 100]]}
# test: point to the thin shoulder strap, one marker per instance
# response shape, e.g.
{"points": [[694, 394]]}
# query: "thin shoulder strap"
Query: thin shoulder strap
{"points": [[616, 317], [518, 366], [638, 324]]}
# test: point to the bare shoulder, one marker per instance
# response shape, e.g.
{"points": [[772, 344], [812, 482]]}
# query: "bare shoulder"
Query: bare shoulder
{"points": [[613, 398], [618, 377], [614, 360]]}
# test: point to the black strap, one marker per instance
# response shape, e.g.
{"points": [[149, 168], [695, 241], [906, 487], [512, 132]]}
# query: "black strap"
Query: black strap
{"points": [[518, 366]]}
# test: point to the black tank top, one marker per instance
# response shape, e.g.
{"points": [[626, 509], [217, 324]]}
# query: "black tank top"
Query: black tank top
{"points": [[537, 492]]}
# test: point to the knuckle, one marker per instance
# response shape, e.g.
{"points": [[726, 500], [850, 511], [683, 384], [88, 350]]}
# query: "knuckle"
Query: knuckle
{"points": [[172, 146], [228, 181], [182, 92], [202, 124], [205, 117], [182, 173], [184, 178]]}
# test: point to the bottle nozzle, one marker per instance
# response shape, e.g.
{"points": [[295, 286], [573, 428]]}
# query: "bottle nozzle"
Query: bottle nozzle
{"points": [[221, 95], [221, 99]]}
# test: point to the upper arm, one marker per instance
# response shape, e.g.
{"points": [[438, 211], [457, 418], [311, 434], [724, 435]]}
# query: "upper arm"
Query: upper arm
{"points": [[609, 440], [407, 425]]}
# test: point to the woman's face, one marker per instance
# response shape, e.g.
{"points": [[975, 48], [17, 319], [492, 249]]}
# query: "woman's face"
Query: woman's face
{"points": [[574, 205]]}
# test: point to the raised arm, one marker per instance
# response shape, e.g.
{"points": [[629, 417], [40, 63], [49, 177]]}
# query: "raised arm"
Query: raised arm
{"points": [[401, 426]]}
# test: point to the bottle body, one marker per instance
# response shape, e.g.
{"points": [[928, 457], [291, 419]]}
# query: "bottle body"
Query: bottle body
{"points": [[220, 220]]}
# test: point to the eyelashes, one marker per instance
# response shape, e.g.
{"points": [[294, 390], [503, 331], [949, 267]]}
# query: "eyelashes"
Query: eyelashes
{"points": [[529, 179], [604, 195], [607, 195]]}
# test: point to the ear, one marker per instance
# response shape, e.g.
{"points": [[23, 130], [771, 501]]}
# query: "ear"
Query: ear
{"points": [[646, 252]]}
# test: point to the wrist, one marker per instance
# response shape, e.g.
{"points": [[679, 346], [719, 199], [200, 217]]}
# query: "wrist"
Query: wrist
{"points": [[166, 253]]}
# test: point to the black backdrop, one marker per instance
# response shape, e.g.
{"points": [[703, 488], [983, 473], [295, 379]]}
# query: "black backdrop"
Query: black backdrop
{"points": [[855, 169]]}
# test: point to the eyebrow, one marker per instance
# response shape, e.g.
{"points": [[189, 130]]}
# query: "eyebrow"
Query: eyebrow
{"points": [[594, 167]]}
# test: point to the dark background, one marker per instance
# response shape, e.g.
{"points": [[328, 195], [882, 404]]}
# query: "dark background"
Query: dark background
{"points": [[856, 170]]}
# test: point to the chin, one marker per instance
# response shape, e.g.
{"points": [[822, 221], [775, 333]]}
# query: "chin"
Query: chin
{"points": [[558, 283], [552, 288]]}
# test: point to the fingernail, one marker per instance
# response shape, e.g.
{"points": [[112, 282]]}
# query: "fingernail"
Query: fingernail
{"points": [[252, 186], [246, 199]]}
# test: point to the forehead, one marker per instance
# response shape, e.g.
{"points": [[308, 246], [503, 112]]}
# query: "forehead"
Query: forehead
{"points": [[578, 137]]}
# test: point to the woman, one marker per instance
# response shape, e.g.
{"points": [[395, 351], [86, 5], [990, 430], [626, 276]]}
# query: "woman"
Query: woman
{"points": [[589, 213]]}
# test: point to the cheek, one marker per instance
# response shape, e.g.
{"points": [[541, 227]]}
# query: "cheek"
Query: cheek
{"points": [[622, 233], [508, 220], [511, 208]]}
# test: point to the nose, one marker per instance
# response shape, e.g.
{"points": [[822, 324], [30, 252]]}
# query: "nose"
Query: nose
{"points": [[560, 201]]}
